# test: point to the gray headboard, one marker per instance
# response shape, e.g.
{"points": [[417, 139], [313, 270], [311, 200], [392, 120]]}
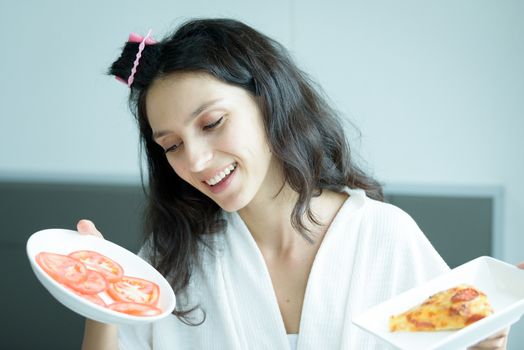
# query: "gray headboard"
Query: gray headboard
{"points": [[36, 320]]}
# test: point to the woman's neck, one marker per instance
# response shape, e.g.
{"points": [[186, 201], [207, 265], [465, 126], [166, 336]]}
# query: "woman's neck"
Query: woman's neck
{"points": [[268, 218]]}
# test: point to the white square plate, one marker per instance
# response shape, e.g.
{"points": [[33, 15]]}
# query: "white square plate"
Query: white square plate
{"points": [[64, 242], [501, 282]]}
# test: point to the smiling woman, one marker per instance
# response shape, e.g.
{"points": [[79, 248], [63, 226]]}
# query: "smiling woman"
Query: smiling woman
{"points": [[213, 137], [269, 233], [274, 129]]}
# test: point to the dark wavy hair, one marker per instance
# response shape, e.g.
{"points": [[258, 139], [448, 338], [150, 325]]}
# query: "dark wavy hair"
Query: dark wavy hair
{"points": [[304, 133]]}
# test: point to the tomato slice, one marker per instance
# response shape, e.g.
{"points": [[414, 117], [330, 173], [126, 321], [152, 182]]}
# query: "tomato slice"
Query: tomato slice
{"points": [[62, 268], [93, 284], [109, 268], [135, 309], [94, 298], [133, 289]]}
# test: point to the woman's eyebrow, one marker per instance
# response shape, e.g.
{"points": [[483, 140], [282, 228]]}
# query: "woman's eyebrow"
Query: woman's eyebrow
{"points": [[193, 115], [160, 133], [202, 108]]}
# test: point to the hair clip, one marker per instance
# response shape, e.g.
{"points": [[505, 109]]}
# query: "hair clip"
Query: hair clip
{"points": [[135, 38]]}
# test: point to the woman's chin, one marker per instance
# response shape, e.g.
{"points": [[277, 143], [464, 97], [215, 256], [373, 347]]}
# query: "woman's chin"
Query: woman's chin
{"points": [[231, 205]]}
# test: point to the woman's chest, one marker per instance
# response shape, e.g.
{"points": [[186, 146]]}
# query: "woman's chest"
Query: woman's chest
{"points": [[289, 280]]}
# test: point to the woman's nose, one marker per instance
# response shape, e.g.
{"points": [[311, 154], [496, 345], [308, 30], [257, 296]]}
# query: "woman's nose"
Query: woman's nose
{"points": [[198, 154]]}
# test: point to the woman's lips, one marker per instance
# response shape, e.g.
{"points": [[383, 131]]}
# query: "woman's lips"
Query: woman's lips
{"points": [[223, 183], [221, 175]]}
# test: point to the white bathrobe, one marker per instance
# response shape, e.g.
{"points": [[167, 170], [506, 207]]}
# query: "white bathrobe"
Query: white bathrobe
{"points": [[371, 252]]}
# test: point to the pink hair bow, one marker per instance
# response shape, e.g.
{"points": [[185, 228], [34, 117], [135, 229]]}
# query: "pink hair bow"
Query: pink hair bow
{"points": [[135, 38]]}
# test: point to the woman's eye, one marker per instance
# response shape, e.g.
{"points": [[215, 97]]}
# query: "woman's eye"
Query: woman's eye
{"points": [[214, 124], [171, 149]]}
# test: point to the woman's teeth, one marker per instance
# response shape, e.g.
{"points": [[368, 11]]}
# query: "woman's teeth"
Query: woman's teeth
{"points": [[220, 176]]}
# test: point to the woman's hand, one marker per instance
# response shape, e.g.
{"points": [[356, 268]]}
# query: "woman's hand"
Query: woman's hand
{"points": [[97, 336], [497, 341], [87, 227]]}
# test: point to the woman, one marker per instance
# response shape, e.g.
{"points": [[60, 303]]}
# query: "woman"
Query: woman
{"points": [[269, 233]]}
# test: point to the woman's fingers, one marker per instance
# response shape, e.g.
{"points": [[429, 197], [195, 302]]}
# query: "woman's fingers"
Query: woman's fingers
{"points": [[497, 341], [88, 228]]}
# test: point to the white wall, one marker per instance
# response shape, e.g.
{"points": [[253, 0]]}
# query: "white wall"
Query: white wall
{"points": [[436, 87], [61, 116]]}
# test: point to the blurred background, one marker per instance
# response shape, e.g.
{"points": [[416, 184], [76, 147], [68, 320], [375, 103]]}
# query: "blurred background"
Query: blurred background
{"points": [[436, 89]]}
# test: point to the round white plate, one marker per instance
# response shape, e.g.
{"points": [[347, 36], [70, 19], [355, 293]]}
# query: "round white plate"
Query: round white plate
{"points": [[66, 241]]}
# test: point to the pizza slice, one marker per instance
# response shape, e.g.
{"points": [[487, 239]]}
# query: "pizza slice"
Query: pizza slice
{"points": [[451, 309]]}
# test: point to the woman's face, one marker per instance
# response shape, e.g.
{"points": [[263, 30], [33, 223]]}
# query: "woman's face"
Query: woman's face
{"points": [[213, 136]]}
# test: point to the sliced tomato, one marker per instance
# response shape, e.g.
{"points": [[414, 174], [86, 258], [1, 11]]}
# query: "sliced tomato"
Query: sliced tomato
{"points": [[62, 268], [93, 284], [111, 270], [94, 298], [465, 294], [135, 309], [133, 289]]}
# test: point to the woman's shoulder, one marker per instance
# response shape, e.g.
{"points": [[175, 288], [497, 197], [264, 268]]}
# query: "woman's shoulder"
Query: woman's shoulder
{"points": [[388, 211], [381, 223], [380, 211], [393, 234]]}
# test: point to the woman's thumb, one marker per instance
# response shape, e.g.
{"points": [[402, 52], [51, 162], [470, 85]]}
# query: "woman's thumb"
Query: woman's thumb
{"points": [[88, 227]]}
